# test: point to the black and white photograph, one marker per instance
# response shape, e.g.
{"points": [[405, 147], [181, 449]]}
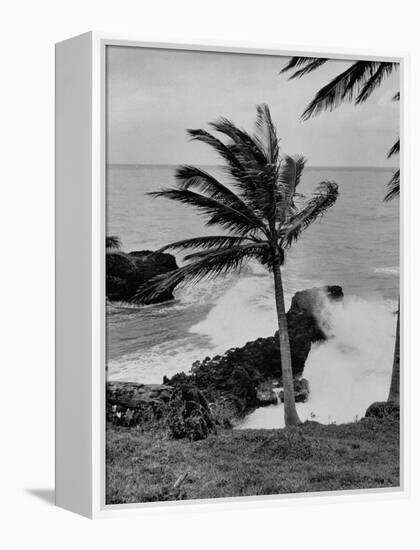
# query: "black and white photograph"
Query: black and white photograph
{"points": [[252, 274]]}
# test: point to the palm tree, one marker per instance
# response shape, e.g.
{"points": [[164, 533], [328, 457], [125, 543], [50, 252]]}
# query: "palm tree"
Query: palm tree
{"points": [[394, 182], [394, 388], [357, 83], [394, 192], [113, 243], [258, 212]]}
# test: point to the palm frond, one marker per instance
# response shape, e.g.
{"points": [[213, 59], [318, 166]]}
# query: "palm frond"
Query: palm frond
{"points": [[290, 172], [211, 264], [395, 149], [244, 145], [266, 134], [393, 187], [193, 177], [383, 70], [347, 85], [215, 250], [252, 161], [113, 242], [216, 241], [240, 165], [217, 144], [252, 173], [324, 197], [216, 212], [308, 65]]}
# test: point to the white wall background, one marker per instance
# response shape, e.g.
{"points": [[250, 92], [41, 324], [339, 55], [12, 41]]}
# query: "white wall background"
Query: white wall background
{"points": [[28, 32]]}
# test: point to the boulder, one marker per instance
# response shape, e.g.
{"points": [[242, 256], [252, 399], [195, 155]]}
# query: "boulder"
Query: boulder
{"points": [[382, 409], [303, 326], [182, 410], [133, 395], [126, 272], [131, 404]]}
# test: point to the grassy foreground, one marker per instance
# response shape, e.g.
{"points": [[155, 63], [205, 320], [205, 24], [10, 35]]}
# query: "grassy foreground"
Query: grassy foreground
{"points": [[144, 466]]}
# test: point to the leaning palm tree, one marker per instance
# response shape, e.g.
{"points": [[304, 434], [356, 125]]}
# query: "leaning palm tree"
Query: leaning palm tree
{"points": [[258, 212], [394, 389], [355, 84]]}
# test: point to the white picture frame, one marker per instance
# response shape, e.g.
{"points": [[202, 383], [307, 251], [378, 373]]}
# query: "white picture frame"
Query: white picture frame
{"points": [[80, 275]]}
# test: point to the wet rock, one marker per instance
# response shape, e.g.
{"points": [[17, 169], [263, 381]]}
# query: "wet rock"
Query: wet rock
{"points": [[126, 272], [302, 321]]}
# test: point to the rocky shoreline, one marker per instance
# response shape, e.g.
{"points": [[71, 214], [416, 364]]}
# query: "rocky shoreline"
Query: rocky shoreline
{"points": [[221, 390], [125, 272]]}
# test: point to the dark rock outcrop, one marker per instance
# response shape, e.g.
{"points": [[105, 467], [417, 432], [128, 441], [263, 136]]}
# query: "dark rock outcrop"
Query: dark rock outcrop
{"points": [[304, 328], [126, 272], [131, 404], [182, 410], [221, 389], [230, 390], [234, 382], [382, 409]]}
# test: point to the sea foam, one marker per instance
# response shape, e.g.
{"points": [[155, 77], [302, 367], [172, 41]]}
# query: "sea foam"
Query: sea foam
{"points": [[349, 371]]}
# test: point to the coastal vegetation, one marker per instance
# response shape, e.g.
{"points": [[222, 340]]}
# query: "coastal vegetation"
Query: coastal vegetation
{"points": [[145, 466], [261, 213]]}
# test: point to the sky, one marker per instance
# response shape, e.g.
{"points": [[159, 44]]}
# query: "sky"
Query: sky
{"points": [[154, 95]]}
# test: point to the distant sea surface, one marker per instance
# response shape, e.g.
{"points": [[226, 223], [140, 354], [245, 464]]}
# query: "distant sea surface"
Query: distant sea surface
{"points": [[355, 245]]}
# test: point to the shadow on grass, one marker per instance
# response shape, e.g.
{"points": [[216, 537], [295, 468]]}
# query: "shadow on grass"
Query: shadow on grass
{"points": [[47, 495]]}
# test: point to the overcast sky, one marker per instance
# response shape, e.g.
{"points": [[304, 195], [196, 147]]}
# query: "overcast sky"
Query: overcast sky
{"points": [[154, 95]]}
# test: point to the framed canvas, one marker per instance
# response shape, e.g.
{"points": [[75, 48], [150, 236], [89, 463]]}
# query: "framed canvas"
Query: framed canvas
{"points": [[229, 269]]}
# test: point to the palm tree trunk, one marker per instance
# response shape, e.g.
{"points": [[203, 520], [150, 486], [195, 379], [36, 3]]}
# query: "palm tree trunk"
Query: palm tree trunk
{"points": [[394, 390], [290, 414]]}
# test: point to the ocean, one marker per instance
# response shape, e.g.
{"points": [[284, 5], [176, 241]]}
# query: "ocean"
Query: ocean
{"points": [[355, 245]]}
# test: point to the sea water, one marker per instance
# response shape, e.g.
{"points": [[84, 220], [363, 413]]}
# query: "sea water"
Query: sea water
{"points": [[355, 245]]}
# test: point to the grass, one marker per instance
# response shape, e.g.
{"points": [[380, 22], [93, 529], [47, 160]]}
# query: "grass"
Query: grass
{"points": [[143, 466]]}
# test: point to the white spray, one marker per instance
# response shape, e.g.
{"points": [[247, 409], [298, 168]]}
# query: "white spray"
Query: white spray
{"points": [[349, 371]]}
